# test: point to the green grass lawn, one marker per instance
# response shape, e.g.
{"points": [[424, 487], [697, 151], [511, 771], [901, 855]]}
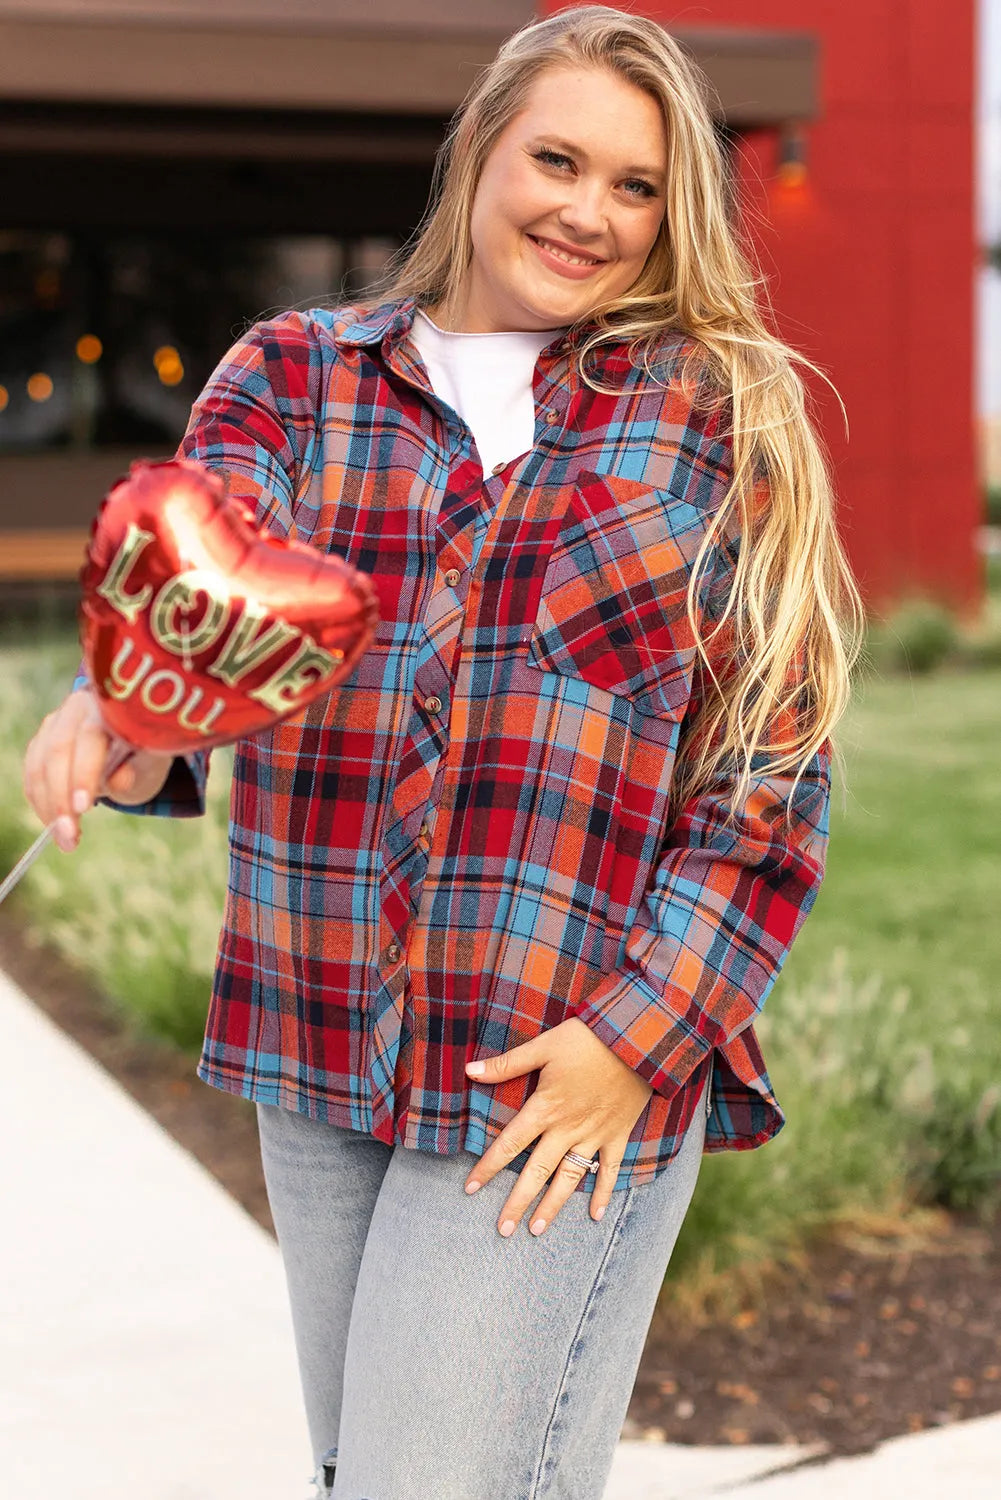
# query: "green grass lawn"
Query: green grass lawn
{"points": [[882, 1035], [883, 1032], [913, 885]]}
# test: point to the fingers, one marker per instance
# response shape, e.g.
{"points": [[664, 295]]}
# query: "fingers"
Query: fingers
{"points": [[63, 770], [64, 758], [565, 1176], [89, 751], [513, 1139], [610, 1163], [546, 1165]]}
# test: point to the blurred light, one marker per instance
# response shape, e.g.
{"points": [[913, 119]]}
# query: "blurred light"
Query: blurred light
{"points": [[4, 397], [166, 355], [89, 348], [792, 174], [40, 386], [171, 372], [792, 170]]}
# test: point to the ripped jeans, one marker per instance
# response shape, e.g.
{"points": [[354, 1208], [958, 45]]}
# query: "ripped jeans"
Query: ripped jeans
{"points": [[439, 1360]]}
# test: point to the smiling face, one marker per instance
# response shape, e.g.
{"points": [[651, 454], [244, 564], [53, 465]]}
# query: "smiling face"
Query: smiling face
{"points": [[568, 205]]}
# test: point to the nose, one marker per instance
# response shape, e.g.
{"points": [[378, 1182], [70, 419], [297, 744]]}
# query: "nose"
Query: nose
{"points": [[583, 213]]}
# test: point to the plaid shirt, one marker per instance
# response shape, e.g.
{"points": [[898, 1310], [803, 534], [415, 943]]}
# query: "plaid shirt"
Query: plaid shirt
{"points": [[468, 840]]}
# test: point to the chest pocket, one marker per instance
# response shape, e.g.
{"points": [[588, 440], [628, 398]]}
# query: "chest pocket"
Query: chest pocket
{"points": [[611, 610]]}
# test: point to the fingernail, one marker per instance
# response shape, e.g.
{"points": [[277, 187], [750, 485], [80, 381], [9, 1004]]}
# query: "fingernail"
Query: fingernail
{"points": [[537, 1226], [475, 1068], [507, 1227], [80, 800], [472, 1187], [65, 833], [599, 1212]]}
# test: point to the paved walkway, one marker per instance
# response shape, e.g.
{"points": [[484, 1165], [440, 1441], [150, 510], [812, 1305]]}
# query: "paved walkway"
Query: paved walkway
{"points": [[145, 1346]]}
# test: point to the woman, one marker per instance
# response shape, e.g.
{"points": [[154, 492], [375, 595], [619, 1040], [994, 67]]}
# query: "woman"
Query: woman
{"points": [[504, 907]]}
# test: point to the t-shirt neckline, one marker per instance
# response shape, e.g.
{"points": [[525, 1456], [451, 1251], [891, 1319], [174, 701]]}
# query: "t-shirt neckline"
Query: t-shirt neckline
{"points": [[507, 333]]}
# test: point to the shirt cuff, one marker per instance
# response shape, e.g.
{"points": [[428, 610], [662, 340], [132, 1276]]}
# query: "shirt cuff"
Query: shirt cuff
{"points": [[636, 1023], [181, 796]]}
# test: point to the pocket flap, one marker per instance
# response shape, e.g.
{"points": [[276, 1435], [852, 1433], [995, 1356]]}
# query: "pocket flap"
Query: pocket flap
{"points": [[612, 607]]}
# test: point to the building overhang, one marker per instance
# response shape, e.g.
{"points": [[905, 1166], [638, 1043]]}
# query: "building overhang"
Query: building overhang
{"points": [[334, 55]]}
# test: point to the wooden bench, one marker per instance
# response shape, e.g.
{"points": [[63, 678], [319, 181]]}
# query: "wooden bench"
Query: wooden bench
{"points": [[41, 556]]}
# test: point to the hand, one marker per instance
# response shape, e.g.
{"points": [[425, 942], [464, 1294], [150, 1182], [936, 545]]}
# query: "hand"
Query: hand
{"points": [[64, 767], [587, 1100]]}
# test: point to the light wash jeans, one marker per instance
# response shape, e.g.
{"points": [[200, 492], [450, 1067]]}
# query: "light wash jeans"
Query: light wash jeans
{"points": [[439, 1360]]}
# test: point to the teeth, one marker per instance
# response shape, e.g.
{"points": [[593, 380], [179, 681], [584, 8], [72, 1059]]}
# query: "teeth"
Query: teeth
{"points": [[571, 260]]}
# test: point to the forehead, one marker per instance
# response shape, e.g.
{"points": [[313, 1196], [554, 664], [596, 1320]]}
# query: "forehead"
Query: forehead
{"points": [[597, 108]]}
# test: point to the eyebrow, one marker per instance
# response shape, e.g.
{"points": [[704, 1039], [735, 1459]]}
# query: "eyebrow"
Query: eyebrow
{"points": [[556, 140]]}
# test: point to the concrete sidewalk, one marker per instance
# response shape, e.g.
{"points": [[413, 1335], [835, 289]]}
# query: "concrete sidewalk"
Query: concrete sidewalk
{"points": [[145, 1343]]}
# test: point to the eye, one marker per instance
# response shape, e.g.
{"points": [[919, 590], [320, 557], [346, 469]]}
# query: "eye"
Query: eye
{"points": [[637, 187], [551, 158]]}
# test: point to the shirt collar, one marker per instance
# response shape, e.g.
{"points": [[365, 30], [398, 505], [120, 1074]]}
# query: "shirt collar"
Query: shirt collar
{"points": [[391, 321], [389, 318]]}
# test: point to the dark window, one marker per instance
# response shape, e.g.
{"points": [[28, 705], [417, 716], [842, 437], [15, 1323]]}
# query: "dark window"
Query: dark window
{"points": [[107, 338]]}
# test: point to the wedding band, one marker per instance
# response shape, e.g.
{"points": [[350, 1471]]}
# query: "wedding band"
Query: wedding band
{"points": [[582, 1161]]}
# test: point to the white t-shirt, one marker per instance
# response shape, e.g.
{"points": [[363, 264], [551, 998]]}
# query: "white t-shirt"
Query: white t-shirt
{"points": [[487, 379]]}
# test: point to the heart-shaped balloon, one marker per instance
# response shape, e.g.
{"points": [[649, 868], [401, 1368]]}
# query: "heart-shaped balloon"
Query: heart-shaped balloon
{"points": [[198, 627]]}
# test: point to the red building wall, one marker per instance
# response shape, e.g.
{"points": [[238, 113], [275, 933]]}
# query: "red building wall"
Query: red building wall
{"points": [[871, 272]]}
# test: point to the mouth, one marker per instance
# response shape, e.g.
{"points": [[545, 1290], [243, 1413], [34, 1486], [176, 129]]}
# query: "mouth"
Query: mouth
{"points": [[575, 260]]}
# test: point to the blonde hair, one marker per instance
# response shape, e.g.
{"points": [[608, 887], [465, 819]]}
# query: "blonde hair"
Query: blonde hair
{"points": [[792, 623]]}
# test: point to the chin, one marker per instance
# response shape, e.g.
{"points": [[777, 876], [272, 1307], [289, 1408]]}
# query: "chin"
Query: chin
{"points": [[551, 310]]}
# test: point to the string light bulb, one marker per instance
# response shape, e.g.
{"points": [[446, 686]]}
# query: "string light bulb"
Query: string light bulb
{"points": [[792, 169], [169, 365], [40, 386]]}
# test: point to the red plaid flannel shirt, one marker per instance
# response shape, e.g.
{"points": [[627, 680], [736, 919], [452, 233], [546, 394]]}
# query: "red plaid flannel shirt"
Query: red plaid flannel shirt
{"points": [[468, 840]]}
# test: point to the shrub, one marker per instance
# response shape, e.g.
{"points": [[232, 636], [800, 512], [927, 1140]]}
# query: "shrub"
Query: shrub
{"points": [[918, 637], [890, 1108], [138, 905]]}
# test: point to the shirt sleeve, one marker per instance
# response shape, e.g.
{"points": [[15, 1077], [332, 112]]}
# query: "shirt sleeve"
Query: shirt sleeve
{"points": [[255, 423], [725, 902]]}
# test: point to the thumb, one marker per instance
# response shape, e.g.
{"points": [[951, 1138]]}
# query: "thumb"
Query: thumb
{"points": [[510, 1064], [123, 779]]}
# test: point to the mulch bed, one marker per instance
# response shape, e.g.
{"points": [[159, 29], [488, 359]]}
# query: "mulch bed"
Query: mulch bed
{"points": [[863, 1343]]}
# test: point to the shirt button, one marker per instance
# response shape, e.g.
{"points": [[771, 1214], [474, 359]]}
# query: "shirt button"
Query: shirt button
{"points": [[393, 952], [452, 577], [552, 416], [497, 468], [433, 705]]}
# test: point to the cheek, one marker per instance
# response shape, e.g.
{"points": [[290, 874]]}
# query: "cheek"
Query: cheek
{"points": [[641, 239], [520, 198], [500, 209]]}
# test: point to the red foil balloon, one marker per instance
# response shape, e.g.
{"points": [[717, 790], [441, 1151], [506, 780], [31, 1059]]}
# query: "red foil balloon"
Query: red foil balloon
{"points": [[197, 626]]}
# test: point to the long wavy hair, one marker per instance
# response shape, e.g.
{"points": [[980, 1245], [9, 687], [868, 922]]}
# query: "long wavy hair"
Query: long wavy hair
{"points": [[791, 627]]}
